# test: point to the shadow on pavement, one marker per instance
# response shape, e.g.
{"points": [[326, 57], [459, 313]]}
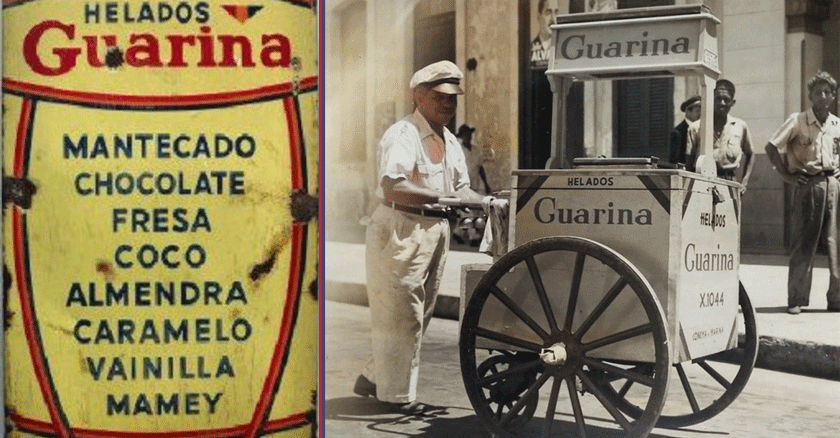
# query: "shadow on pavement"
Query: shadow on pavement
{"points": [[381, 420], [563, 427], [358, 407]]}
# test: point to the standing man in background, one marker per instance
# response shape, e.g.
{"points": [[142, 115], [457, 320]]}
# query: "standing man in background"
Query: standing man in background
{"points": [[420, 163], [805, 153], [679, 135], [732, 142]]}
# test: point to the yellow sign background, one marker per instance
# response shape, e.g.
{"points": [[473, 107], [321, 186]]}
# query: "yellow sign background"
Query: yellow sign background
{"points": [[79, 365]]}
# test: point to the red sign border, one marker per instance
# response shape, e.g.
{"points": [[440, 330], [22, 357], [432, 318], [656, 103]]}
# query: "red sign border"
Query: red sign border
{"points": [[260, 424]]}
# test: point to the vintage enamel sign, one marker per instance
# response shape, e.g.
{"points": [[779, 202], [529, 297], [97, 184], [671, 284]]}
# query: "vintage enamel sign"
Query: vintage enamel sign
{"points": [[163, 279]]}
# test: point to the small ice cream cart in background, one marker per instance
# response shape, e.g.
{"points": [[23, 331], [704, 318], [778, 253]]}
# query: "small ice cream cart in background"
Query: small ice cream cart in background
{"points": [[620, 286]]}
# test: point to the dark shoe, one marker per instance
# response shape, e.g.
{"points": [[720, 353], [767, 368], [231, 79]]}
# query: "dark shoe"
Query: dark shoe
{"points": [[833, 308], [795, 310], [364, 387]]}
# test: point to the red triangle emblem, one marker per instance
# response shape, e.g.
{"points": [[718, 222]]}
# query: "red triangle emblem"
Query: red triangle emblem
{"points": [[241, 13]]}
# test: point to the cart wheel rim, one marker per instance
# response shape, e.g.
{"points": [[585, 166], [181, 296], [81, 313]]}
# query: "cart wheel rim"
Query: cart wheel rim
{"points": [[570, 334], [732, 387]]}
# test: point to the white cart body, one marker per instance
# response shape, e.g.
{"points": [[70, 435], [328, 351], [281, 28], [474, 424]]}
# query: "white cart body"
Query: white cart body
{"points": [[680, 229]]}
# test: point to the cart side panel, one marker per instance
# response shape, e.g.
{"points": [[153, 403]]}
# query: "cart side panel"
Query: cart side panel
{"points": [[707, 281], [470, 276], [626, 210]]}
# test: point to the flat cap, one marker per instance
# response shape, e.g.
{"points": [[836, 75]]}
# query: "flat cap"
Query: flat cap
{"points": [[443, 76], [691, 101]]}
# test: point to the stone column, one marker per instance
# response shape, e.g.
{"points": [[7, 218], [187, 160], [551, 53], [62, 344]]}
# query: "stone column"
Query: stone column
{"points": [[390, 48], [491, 100], [804, 48]]}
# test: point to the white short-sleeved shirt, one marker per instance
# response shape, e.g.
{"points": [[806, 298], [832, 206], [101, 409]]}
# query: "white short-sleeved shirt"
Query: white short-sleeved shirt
{"points": [[728, 147], [805, 145], [403, 153]]}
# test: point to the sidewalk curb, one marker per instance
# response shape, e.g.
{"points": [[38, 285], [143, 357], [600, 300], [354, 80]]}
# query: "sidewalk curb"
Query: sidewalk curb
{"points": [[776, 354], [799, 357]]}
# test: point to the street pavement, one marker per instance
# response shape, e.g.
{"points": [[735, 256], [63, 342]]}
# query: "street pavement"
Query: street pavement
{"points": [[772, 404], [806, 344]]}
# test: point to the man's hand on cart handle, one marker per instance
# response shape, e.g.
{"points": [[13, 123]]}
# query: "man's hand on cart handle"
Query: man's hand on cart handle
{"points": [[455, 202], [464, 198]]}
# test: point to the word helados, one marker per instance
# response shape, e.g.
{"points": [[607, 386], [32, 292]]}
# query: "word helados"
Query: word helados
{"points": [[146, 12]]}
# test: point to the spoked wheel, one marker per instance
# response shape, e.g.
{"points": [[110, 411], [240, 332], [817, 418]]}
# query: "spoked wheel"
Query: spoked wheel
{"points": [[507, 390], [717, 385], [568, 310]]}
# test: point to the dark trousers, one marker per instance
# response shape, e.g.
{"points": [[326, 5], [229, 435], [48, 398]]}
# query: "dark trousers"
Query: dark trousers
{"points": [[814, 217]]}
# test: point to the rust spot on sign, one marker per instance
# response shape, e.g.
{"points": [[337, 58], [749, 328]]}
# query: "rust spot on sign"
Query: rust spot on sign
{"points": [[10, 425], [104, 268], [84, 364], [18, 191], [7, 284], [313, 289], [304, 206], [114, 57], [312, 414], [312, 418], [264, 267]]}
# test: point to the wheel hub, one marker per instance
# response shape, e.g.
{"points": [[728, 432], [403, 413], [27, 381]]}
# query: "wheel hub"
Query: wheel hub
{"points": [[554, 355]]}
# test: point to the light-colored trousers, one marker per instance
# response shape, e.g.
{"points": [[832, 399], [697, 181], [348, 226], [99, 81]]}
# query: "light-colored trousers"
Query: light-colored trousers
{"points": [[405, 254]]}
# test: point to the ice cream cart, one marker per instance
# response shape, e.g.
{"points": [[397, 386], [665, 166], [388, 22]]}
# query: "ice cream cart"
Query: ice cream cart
{"points": [[621, 274]]}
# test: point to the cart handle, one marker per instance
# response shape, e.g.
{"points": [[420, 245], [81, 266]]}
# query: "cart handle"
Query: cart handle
{"points": [[458, 203]]}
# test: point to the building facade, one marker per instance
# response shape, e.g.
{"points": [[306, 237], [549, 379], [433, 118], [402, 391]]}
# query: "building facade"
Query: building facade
{"points": [[768, 49]]}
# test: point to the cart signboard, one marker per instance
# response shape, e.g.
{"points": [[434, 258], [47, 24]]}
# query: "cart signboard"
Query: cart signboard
{"points": [[161, 250], [707, 285], [664, 45]]}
